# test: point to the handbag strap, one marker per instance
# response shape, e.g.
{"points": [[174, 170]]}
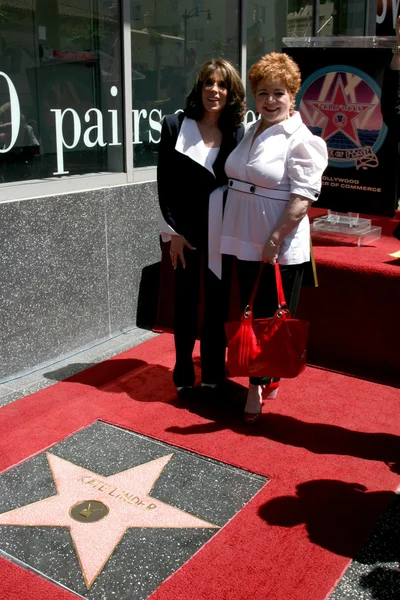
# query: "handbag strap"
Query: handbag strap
{"points": [[279, 288]]}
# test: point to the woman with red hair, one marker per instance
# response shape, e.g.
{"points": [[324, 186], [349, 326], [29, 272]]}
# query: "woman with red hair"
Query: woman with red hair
{"points": [[274, 176]]}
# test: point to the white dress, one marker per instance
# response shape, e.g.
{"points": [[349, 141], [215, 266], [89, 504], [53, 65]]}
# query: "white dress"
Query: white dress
{"points": [[285, 157]]}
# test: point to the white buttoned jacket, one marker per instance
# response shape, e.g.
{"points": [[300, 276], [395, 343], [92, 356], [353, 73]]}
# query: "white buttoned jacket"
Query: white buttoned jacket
{"points": [[285, 160]]}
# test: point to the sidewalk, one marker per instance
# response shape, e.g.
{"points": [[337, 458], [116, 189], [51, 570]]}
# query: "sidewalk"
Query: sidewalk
{"points": [[39, 378]]}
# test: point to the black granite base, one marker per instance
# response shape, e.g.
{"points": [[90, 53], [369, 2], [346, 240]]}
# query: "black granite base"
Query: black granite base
{"points": [[71, 268], [145, 557]]}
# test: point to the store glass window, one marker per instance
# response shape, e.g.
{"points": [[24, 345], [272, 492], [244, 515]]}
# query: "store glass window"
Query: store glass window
{"points": [[266, 26], [60, 88], [171, 39], [335, 17], [386, 15], [342, 17], [300, 18]]}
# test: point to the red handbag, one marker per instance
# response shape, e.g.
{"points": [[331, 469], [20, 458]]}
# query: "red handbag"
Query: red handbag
{"points": [[270, 347]]}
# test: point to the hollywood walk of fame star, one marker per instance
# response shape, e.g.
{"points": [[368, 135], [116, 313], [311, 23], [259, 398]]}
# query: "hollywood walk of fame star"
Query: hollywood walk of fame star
{"points": [[340, 114], [82, 494]]}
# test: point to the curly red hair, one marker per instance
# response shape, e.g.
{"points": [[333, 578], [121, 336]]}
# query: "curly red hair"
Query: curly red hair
{"points": [[276, 66]]}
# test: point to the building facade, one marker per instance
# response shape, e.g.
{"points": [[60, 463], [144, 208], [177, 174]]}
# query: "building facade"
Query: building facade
{"points": [[84, 85]]}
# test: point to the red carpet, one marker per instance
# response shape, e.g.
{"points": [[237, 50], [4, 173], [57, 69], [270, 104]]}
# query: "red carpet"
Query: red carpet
{"points": [[329, 443], [354, 313]]}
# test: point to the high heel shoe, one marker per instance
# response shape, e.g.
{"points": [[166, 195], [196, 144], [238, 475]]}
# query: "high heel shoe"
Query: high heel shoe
{"points": [[250, 418], [185, 393]]}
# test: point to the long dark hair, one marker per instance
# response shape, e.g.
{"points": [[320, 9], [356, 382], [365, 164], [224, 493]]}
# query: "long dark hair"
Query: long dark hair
{"points": [[233, 112]]}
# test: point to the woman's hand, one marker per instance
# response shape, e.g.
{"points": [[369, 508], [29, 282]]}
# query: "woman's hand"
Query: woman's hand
{"points": [[178, 243], [295, 211], [270, 252]]}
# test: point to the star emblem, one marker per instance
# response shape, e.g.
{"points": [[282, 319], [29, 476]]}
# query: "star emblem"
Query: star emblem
{"points": [[340, 114], [98, 510]]}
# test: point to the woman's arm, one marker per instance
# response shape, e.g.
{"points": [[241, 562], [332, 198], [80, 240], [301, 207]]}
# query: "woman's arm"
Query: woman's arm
{"points": [[166, 176], [307, 159], [296, 210]]}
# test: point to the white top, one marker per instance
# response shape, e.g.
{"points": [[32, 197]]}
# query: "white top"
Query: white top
{"points": [[212, 154], [286, 157]]}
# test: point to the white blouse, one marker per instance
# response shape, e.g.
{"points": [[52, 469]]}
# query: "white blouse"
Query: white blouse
{"points": [[212, 154], [285, 157]]}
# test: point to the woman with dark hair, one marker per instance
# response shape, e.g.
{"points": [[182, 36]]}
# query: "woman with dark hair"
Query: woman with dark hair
{"points": [[191, 183]]}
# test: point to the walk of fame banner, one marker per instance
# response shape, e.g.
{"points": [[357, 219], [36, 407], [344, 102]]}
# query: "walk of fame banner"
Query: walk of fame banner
{"points": [[340, 101]]}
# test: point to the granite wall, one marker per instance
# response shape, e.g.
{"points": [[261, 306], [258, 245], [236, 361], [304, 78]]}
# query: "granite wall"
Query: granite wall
{"points": [[70, 270]]}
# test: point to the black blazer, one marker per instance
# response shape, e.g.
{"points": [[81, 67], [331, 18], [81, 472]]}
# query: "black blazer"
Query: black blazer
{"points": [[184, 186]]}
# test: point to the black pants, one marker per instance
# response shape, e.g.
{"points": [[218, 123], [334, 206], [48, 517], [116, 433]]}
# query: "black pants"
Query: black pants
{"points": [[266, 301], [212, 335]]}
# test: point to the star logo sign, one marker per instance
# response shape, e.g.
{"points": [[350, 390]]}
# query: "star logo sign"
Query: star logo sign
{"points": [[340, 114], [98, 510]]}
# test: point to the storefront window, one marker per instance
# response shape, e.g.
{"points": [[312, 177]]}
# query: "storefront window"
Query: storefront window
{"points": [[300, 18], [170, 40], [335, 17], [60, 88], [386, 15], [342, 17], [265, 30]]}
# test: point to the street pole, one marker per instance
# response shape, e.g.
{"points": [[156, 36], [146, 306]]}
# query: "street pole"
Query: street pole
{"points": [[315, 21]]}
